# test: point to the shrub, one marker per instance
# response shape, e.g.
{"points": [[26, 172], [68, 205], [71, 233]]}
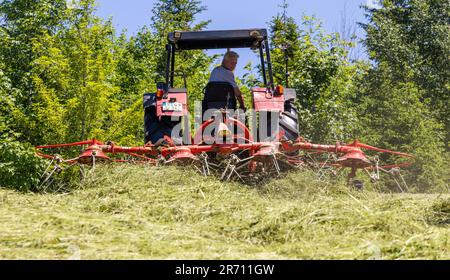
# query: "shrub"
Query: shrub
{"points": [[20, 168]]}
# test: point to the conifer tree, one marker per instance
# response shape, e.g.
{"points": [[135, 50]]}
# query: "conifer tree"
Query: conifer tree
{"points": [[180, 15], [412, 39], [404, 98]]}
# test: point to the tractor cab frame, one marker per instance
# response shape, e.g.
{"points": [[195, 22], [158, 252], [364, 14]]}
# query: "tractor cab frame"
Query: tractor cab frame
{"points": [[220, 39]]}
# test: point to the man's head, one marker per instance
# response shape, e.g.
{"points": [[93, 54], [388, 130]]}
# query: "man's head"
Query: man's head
{"points": [[230, 60]]}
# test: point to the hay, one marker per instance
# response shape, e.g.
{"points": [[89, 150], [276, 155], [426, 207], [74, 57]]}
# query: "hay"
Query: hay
{"points": [[137, 212]]}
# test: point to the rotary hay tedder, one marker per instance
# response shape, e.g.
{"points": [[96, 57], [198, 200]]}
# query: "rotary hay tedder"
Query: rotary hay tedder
{"points": [[223, 144]]}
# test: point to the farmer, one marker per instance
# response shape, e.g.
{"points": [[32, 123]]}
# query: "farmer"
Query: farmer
{"points": [[224, 73]]}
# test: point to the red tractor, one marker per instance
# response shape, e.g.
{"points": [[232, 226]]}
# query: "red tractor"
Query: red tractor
{"points": [[165, 109], [229, 142]]}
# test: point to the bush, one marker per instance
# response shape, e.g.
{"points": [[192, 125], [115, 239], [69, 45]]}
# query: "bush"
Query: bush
{"points": [[20, 168], [393, 115]]}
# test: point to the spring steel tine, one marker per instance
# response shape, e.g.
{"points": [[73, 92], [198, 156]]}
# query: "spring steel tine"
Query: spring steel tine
{"points": [[93, 162], [47, 185], [82, 173], [246, 159], [275, 162], [398, 185], [62, 185], [377, 166], [372, 175], [205, 168], [48, 166], [225, 171], [394, 171], [231, 171], [198, 169], [403, 180], [214, 165], [49, 174], [321, 173], [203, 171], [239, 176], [203, 156]]}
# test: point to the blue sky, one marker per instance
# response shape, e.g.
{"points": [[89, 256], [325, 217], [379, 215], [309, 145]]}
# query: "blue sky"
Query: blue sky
{"points": [[236, 14]]}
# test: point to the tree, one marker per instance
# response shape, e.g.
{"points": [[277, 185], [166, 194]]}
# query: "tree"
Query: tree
{"points": [[392, 115], [412, 38], [22, 21], [348, 32], [143, 62], [6, 102], [404, 98], [284, 43], [320, 74], [73, 76], [172, 15], [16, 158]]}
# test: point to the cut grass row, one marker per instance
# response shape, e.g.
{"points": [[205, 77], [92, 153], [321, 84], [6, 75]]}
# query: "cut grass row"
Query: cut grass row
{"points": [[140, 212]]}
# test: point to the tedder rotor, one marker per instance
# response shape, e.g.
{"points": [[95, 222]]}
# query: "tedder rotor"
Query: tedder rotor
{"points": [[227, 141]]}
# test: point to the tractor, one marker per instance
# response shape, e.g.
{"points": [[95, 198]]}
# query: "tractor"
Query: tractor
{"points": [[263, 141], [166, 108]]}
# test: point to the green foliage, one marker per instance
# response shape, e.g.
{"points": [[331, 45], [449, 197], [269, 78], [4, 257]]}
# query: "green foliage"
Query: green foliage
{"points": [[20, 169], [65, 76], [392, 116], [412, 38], [404, 99], [320, 74], [172, 15], [21, 22], [313, 60], [6, 101], [73, 76], [142, 60]]}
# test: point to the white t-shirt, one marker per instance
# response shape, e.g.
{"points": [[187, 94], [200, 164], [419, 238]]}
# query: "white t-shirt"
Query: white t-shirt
{"points": [[221, 74]]}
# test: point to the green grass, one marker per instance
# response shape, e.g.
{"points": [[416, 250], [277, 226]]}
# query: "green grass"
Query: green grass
{"points": [[141, 212]]}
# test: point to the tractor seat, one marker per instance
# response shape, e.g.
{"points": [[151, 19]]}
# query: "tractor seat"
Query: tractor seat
{"points": [[218, 95]]}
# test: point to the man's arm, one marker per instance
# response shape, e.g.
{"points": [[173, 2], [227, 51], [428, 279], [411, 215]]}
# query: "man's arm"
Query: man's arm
{"points": [[218, 74], [238, 94]]}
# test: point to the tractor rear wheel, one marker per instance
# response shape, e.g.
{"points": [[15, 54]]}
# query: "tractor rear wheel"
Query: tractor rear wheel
{"points": [[156, 129], [285, 122], [289, 121]]}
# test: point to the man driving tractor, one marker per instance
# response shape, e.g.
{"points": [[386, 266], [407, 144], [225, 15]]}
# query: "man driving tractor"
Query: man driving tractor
{"points": [[224, 73]]}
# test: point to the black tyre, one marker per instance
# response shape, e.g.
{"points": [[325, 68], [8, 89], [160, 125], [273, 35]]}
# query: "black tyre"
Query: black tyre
{"points": [[289, 121], [154, 128], [286, 122]]}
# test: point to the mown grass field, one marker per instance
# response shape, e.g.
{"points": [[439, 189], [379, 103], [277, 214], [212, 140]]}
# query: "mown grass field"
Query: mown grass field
{"points": [[167, 213]]}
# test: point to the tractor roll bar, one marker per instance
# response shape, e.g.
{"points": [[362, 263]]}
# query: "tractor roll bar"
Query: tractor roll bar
{"points": [[220, 39]]}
